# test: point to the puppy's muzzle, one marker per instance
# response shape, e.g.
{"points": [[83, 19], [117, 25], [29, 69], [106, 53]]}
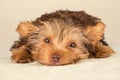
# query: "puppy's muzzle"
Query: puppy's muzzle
{"points": [[55, 58]]}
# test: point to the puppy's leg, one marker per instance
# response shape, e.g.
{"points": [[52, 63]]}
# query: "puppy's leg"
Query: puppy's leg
{"points": [[103, 51], [21, 55]]}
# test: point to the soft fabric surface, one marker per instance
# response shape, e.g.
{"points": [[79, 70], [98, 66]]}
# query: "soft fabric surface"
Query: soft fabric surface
{"points": [[14, 11]]}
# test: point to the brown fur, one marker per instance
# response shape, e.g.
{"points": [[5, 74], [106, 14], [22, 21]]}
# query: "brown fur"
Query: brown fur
{"points": [[60, 38], [79, 18]]}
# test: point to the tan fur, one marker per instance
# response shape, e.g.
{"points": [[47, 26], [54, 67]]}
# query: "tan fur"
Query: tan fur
{"points": [[95, 34], [24, 28], [88, 40], [103, 51]]}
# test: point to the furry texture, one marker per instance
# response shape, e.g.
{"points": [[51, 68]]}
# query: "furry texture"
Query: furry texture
{"points": [[60, 38]]}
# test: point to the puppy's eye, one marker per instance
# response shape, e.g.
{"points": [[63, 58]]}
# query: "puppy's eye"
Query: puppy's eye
{"points": [[46, 40], [73, 45]]}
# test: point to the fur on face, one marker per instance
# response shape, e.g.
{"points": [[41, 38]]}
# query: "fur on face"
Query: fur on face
{"points": [[60, 38]]}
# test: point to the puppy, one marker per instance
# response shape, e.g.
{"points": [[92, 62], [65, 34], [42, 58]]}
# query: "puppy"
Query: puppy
{"points": [[60, 38]]}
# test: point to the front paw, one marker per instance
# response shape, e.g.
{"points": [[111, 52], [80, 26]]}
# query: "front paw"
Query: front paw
{"points": [[22, 58]]}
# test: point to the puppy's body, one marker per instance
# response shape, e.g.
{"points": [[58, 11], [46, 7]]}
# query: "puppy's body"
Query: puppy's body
{"points": [[60, 38]]}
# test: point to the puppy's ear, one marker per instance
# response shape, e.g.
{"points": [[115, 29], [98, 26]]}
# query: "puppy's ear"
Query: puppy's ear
{"points": [[95, 33], [25, 27]]}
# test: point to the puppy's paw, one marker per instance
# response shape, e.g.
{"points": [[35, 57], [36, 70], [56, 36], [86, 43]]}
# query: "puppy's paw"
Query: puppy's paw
{"points": [[22, 59], [102, 55], [103, 51]]}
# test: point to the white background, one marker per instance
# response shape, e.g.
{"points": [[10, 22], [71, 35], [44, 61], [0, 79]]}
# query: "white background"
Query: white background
{"points": [[14, 11]]}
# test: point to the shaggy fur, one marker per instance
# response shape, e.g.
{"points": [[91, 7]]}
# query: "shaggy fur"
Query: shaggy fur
{"points": [[60, 38]]}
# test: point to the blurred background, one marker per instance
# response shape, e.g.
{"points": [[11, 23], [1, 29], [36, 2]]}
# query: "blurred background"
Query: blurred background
{"points": [[14, 11]]}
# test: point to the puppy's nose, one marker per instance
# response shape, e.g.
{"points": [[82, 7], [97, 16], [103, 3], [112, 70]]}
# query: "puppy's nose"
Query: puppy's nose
{"points": [[55, 58]]}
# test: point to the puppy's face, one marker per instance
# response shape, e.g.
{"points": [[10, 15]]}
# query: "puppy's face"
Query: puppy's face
{"points": [[56, 43]]}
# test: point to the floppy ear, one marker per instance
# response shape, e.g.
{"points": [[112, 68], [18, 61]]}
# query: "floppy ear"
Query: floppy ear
{"points": [[25, 27], [95, 33]]}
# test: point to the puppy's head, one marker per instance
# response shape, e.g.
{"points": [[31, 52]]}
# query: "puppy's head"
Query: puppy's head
{"points": [[59, 43]]}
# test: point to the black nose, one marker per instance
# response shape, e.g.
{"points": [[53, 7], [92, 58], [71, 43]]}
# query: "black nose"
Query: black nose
{"points": [[55, 58]]}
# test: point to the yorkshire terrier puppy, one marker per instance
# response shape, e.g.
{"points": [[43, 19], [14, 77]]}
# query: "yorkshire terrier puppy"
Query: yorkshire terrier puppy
{"points": [[60, 38]]}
